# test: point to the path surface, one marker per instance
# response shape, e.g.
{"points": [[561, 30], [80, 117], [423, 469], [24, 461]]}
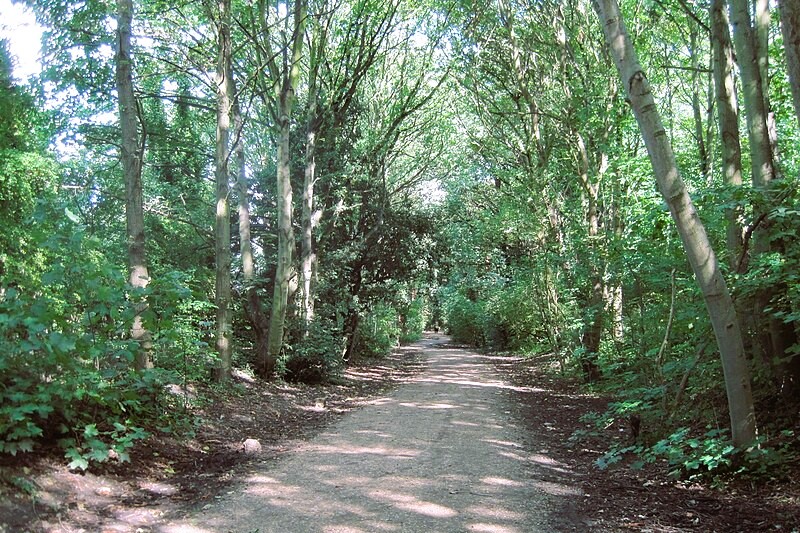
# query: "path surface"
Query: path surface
{"points": [[441, 453]]}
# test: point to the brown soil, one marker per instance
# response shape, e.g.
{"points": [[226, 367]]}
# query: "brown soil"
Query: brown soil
{"points": [[169, 475], [166, 474], [623, 499]]}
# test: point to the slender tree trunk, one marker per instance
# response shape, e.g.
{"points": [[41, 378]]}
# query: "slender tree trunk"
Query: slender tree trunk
{"points": [[131, 149], [763, 22], [790, 26], [284, 270], [693, 235], [222, 226], [753, 89], [697, 113], [728, 116], [308, 255], [594, 311], [252, 301]]}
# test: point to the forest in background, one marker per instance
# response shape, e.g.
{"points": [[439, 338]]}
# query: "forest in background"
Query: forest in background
{"points": [[281, 188]]}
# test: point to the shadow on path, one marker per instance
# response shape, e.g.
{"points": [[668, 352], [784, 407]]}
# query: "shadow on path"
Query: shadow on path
{"points": [[441, 453]]}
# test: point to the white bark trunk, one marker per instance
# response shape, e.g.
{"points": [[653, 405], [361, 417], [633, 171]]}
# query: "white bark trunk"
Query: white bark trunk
{"points": [[693, 235], [222, 226], [753, 89], [284, 270]]}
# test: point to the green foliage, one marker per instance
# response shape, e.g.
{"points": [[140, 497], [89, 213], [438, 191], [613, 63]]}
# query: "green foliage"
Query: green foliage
{"points": [[378, 331], [465, 319], [181, 319], [315, 357], [709, 456], [413, 317], [66, 373]]}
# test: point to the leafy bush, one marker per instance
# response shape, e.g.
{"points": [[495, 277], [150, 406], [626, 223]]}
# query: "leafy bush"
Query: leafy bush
{"points": [[465, 319], [413, 317], [316, 357], [65, 374], [378, 331], [710, 456]]}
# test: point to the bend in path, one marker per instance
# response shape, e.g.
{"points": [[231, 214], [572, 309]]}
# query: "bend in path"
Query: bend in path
{"points": [[442, 453]]}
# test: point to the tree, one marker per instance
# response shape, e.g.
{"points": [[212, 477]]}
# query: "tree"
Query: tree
{"points": [[744, 39], [728, 117], [790, 26], [222, 226], [131, 152], [286, 79], [693, 234]]}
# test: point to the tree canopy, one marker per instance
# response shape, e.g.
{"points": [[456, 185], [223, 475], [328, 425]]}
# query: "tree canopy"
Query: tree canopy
{"points": [[191, 188]]}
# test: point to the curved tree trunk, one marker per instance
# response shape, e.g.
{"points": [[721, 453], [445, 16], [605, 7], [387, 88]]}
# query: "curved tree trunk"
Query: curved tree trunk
{"points": [[693, 235], [131, 148]]}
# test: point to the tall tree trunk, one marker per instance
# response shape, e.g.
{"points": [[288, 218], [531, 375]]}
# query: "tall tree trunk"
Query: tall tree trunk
{"points": [[131, 148], [697, 113], [595, 304], [222, 225], [252, 301], [790, 26], [308, 256], [728, 116], [753, 88], [763, 22], [774, 336], [693, 235], [284, 271]]}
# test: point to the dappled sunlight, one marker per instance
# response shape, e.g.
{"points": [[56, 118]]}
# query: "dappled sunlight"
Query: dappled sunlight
{"points": [[498, 481], [412, 503], [557, 489], [428, 406], [492, 528], [496, 512], [343, 449], [503, 443], [440, 453]]}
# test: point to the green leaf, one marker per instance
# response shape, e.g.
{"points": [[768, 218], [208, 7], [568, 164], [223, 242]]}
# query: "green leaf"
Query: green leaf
{"points": [[72, 216], [78, 461]]}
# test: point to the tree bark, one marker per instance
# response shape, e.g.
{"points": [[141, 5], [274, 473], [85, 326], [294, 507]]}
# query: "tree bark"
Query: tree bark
{"points": [[728, 116], [753, 89], [790, 27], [252, 301], [693, 235], [697, 113], [594, 310], [309, 218], [131, 149], [222, 226], [284, 271]]}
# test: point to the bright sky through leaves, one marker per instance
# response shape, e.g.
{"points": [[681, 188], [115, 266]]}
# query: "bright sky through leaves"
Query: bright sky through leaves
{"points": [[18, 26]]}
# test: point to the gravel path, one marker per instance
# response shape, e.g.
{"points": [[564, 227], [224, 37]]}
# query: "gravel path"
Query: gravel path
{"points": [[441, 453]]}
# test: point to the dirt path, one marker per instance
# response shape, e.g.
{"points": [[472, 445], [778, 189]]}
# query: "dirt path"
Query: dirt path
{"points": [[441, 453]]}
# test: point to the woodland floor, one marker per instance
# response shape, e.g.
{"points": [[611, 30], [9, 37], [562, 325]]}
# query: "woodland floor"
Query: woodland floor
{"points": [[169, 477]]}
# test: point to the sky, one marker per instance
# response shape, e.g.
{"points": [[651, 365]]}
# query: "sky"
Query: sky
{"points": [[18, 26]]}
